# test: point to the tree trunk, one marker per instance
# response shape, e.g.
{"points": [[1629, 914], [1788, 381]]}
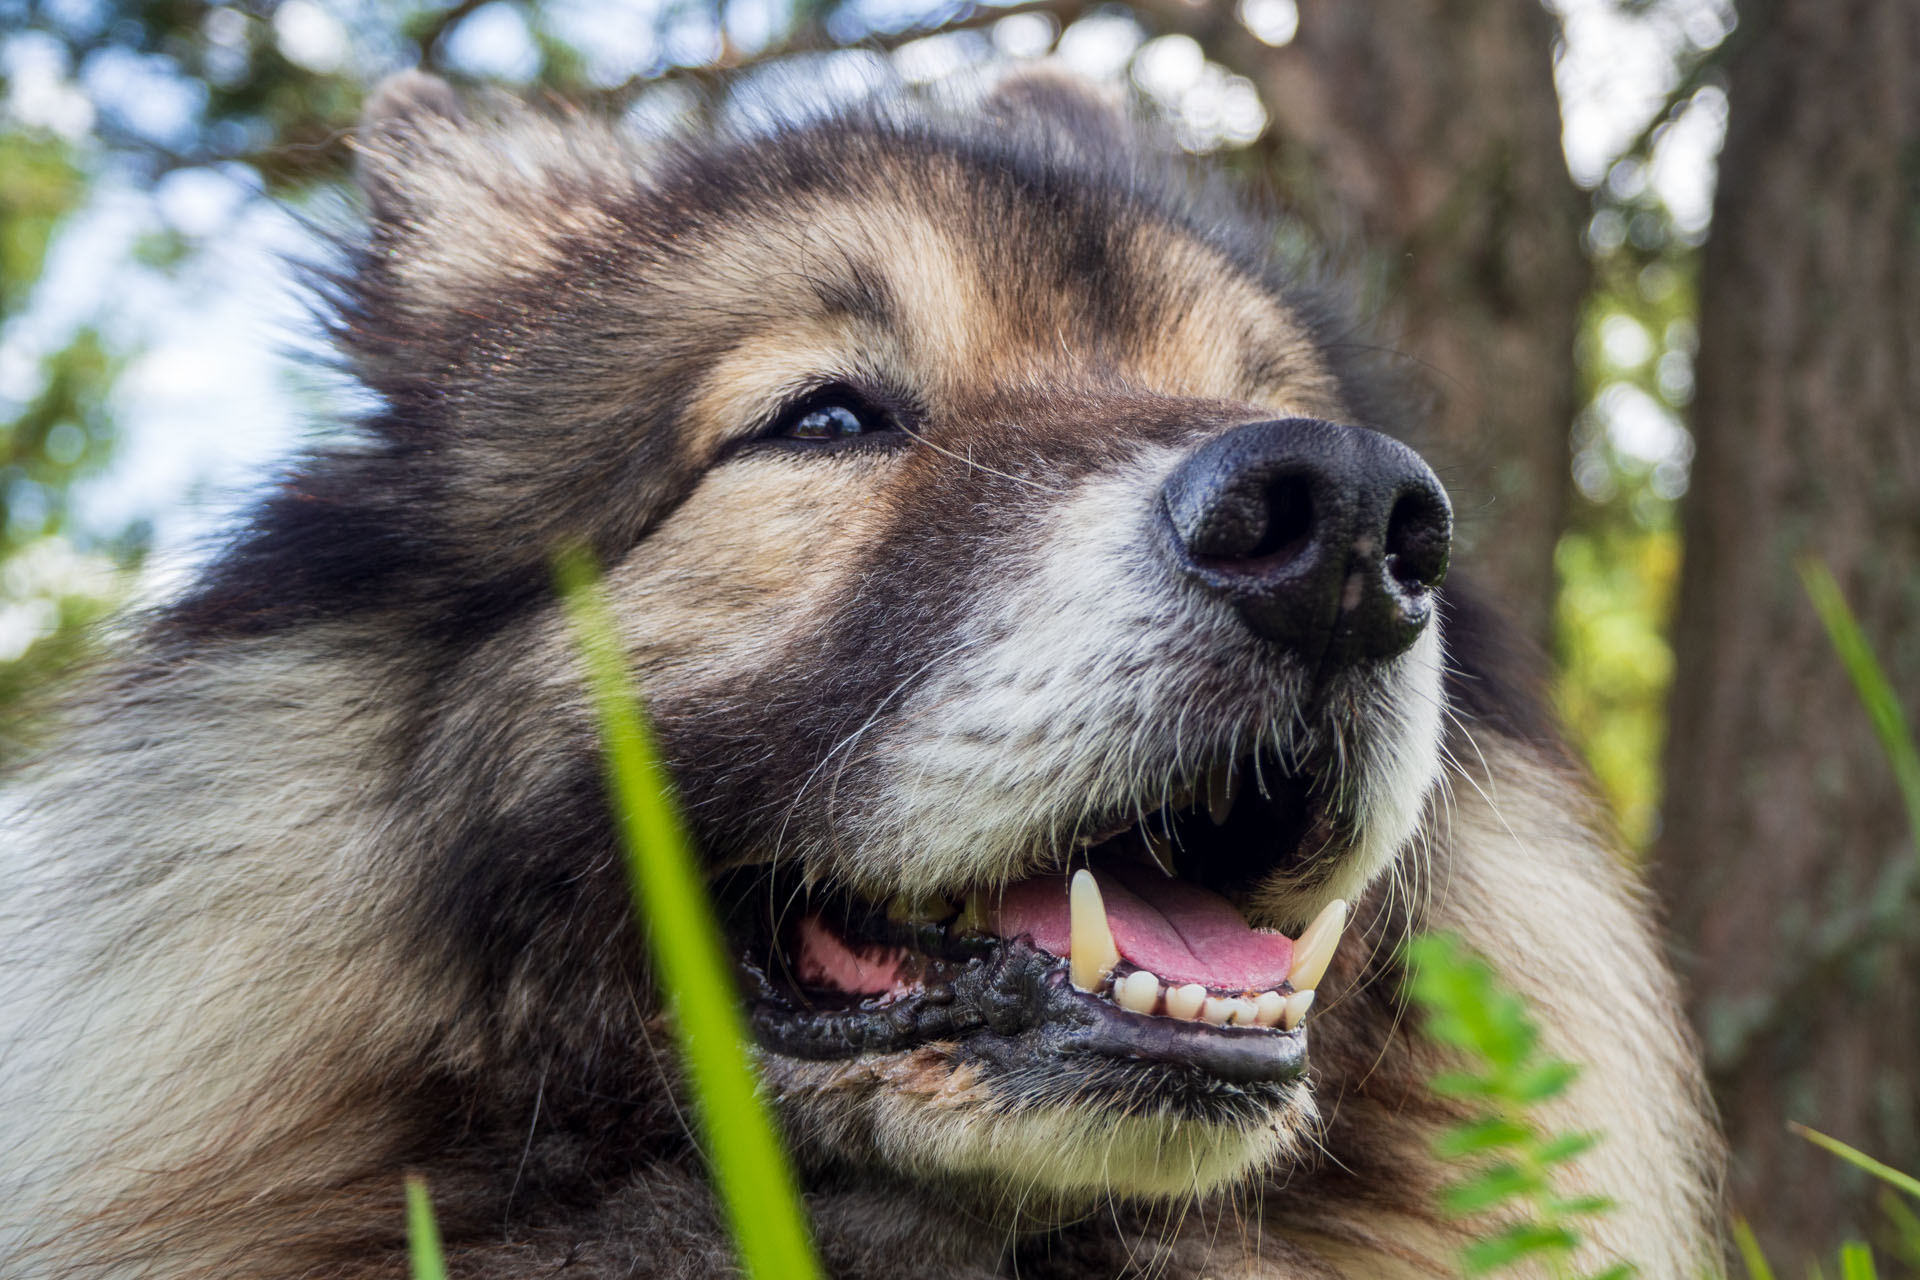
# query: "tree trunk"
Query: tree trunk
{"points": [[1431, 129], [1782, 818]]}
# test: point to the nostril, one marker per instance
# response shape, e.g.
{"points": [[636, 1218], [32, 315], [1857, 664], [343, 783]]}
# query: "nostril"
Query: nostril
{"points": [[1419, 535], [1289, 519]]}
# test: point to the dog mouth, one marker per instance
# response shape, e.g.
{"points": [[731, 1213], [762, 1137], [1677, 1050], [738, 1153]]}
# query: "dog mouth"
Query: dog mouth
{"points": [[1128, 954]]}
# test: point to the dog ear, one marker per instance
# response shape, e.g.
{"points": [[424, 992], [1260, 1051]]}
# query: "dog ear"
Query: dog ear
{"points": [[1062, 109], [399, 124], [466, 192]]}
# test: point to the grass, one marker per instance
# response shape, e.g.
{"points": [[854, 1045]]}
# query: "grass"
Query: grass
{"points": [[748, 1163], [764, 1211], [423, 1234]]}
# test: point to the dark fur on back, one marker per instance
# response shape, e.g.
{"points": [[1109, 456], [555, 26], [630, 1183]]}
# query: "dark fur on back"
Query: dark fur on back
{"points": [[321, 888]]}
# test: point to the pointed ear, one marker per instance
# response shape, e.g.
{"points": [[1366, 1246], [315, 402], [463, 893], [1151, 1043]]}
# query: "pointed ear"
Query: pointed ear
{"points": [[468, 193], [403, 117], [1065, 110]]}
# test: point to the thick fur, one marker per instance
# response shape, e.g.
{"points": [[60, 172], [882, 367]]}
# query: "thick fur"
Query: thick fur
{"points": [[319, 887]]}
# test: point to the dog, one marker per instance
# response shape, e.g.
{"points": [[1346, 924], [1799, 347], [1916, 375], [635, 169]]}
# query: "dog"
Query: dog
{"points": [[1053, 646]]}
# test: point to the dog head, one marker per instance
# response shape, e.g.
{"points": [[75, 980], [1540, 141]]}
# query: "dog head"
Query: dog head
{"points": [[1043, 645]]}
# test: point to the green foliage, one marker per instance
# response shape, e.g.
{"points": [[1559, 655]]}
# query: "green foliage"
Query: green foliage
{"points": [[423, 1234], [1871, 683], [1617, 564], [60, 433], [1617, 584], [1856, 1261], [1503, 1078], [743, 1150]]}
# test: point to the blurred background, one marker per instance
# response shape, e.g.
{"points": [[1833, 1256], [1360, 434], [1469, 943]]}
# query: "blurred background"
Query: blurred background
{"points": [[1654, 264]]}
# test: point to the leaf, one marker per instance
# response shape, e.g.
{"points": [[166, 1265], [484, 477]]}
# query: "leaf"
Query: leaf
{"points": [[1870, 682], [1750, 1254], [1886, 1173], [423, 1234], [1581, 1206], [1546, 1081], [1476, 1137], [749, 1165], [1490, 1189], [1522, 1240], [1856, 1262], [1566, 1146]]}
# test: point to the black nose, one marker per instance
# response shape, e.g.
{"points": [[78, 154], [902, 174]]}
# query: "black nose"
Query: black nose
{"points": [[1327, 539]]}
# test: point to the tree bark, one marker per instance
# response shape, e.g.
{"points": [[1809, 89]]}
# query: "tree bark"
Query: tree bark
{"points": [[1782, 819], [1431, 128]]}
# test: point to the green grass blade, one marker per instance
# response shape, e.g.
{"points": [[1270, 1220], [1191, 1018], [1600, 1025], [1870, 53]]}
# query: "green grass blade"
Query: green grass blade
{"points": [[1756, 1262], [749, 1165], [1860, 1159], [1856, 1262], [1870, 681], [423, 1234]]}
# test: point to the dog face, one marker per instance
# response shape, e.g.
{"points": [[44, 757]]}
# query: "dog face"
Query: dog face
{"points": [[1032, 630]]}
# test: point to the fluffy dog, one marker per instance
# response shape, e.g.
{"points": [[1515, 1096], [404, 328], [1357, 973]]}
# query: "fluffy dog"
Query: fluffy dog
{"points": [[1046, 632]]}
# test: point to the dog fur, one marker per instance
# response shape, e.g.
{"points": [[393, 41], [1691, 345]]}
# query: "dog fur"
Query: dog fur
{"points": [[318, 886]]}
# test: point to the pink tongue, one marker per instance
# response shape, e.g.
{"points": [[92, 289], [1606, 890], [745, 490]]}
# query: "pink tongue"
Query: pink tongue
{"points": [[1181, 932]]}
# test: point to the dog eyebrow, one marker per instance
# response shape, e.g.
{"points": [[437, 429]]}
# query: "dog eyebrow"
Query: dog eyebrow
{"points": [[861, 293]]}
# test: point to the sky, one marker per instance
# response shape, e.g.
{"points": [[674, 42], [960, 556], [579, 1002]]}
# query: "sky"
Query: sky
{"points": [[225, 384]]}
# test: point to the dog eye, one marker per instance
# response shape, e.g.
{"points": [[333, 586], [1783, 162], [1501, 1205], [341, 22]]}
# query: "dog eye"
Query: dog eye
{"points": [[840, 416]]}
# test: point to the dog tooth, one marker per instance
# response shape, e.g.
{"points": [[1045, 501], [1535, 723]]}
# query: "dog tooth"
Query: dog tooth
{"points": [[973, 915], [1186, 1002], [1138, 991], [1092, 953], [1241, 1011], [1314, 947], [1216, 1011], [1268, 1007], [1222, 786], [1297, 1005]]}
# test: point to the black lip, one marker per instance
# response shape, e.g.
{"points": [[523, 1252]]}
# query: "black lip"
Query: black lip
{"points": [[1015, 999], [1238, 1055]]}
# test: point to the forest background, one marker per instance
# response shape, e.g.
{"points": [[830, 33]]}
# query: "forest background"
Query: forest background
{"points": [[1654, 264]]}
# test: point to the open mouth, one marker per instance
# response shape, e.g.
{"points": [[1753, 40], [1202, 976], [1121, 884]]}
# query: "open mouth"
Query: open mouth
{"points": [[1129, 953]]}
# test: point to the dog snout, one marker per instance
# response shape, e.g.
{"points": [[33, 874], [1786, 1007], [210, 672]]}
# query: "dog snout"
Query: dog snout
{"points": [[1326, 539]]}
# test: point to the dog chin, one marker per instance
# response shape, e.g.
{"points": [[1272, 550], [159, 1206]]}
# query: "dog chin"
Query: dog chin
{"points": [[949, 1129]]}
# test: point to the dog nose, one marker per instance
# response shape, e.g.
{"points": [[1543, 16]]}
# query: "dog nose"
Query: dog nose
{"points": [[1327, 539]]}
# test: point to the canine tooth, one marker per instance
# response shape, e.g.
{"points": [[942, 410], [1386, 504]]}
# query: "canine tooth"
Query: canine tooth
{"points": [[1138, 991], [1314, 947], [973, 916], [1216, 1011], [1297, 1005], [1222, 786], [1093, 954], [1186, 1002], [1267, 1008]]}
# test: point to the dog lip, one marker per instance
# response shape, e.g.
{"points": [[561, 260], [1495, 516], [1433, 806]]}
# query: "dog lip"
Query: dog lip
{"points": [[1236, 1055], [1012, 999]]}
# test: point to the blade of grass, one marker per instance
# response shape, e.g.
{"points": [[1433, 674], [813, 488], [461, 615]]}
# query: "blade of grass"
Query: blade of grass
{"points": [[1757, 1266], [1870, 681], [1856, 1262], [1860, 1159], [423, 1234], [749, 1165]]}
